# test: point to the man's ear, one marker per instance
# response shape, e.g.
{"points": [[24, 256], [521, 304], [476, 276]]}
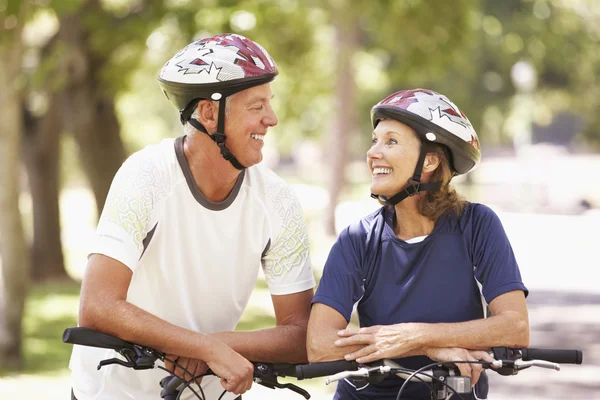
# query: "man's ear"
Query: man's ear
{"points": [[208, 114], [432, 161]]}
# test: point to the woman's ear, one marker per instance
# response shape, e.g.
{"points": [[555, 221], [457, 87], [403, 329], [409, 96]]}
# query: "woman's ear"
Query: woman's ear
{"points": [[208, 114], [432, 161]]}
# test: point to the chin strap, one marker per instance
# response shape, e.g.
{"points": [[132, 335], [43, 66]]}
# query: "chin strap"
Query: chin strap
{"points": [[414, 185], [219, 138]]}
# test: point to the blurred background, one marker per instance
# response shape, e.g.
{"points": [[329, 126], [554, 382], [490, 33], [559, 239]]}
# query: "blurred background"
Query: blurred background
{"points": [[78, 94]]}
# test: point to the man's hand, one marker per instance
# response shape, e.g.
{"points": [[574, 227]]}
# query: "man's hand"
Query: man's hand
{"points": [[193, 367], [235, 371], [456, 354], [381, 341]]}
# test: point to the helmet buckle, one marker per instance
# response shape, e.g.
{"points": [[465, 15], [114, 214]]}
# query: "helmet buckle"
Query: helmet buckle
{"points": [[413, 187], [219, 138]]}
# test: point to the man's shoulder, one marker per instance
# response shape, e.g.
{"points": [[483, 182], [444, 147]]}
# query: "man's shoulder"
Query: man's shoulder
{"points": [[268, 185], [156, 153], [152, 160], [262, 174], [147, 173]]}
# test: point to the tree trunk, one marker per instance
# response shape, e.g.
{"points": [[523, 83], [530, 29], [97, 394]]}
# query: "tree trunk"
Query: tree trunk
{"points": [[41, 152], [88, 107], [14, 264], [346, 40], [99, 141]]}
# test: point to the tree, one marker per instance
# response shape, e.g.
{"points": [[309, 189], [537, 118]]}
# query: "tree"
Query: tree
{"points": [[344, 123], [77, 76], [41, 151], [13, 248]]}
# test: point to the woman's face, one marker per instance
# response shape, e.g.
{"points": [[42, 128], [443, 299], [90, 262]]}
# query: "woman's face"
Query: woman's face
{"points": [[392, 157]]}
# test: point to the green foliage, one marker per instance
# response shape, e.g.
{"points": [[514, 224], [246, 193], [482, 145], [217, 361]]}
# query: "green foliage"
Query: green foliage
{"points": [[559, 38], [464, 48], [62, 7], [49, 310]]}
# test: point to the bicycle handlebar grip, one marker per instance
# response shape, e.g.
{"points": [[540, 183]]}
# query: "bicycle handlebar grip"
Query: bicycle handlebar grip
{"points": [[327, 368], [89, 337], [552, 355]]}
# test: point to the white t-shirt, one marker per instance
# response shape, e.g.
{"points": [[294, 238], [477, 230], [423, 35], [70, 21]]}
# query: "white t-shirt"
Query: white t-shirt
{"points": [[194, 262]]}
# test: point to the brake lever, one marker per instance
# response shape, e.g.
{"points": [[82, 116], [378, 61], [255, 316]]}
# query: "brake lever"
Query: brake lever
{"points": [[520, 365], [265, 375], [144, 358], [128, 364], [273, 383]]}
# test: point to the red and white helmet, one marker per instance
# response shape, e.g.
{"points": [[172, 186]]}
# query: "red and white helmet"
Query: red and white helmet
{"points": [[435, 119], [214, 68]]}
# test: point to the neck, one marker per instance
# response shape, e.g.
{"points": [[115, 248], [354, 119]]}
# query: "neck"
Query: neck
{"points": [[214, 176], [409, 222]]}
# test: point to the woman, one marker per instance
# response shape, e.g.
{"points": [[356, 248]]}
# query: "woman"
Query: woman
{"points": [[421, 266]]}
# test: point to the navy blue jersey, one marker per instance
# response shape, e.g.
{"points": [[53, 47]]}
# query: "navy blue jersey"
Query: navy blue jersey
{"points": [[434, 280]]}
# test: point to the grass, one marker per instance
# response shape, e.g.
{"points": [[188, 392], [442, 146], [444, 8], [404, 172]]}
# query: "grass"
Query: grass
{"points": [[49, 310]]}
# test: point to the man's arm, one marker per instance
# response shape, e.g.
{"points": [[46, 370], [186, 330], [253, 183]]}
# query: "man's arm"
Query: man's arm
{"points": [[103, 307], [285, 343]]}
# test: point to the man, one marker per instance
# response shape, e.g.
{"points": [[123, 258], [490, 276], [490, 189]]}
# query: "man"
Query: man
{"points": [[183, 231]]}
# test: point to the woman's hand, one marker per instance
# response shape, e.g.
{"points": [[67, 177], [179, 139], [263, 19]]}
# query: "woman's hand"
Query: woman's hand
{"points": [[381, 341], [456, 354], [192, 366]]}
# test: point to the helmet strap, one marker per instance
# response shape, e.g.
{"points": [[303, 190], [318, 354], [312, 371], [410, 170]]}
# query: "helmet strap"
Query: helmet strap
{"points": [[414, 185], [218, 137]]}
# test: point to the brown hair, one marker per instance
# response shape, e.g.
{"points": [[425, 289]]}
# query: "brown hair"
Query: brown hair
{"points": [[436, 203]]}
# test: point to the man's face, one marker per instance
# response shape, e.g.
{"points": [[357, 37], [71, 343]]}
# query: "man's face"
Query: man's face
{"points": [[249, 117]]}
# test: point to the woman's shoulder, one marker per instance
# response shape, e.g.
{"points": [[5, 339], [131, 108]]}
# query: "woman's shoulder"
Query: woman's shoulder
{"points": [[477, 215], [363, 229]]}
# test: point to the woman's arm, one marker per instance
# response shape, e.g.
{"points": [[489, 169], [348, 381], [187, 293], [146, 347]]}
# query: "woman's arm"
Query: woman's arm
{"points": [[325, 322], [323, 327], [508, 326]]}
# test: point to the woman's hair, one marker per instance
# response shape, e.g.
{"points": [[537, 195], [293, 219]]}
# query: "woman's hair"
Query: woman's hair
{"points": [[436, 203]]}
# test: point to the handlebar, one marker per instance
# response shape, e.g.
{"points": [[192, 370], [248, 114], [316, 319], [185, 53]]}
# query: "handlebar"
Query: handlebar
{"points": [[509, 361], [556, 356], [326, 368]]}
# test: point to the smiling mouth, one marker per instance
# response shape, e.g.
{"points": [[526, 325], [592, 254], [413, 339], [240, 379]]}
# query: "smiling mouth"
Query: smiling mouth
{"points": [[381, 171], [258, 137]]}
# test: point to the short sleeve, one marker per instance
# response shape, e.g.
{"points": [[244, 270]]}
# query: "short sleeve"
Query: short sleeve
{"points": [[342, 283], [127, 214], [493, 257], [286, 262]]}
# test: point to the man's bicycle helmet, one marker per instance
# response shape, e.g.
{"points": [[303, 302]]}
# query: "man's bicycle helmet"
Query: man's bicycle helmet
{"points": [[214, 68], [435, 119]]}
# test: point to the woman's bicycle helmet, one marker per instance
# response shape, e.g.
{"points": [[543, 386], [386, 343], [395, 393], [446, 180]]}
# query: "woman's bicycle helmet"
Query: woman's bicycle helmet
{"points": [[435, 119], [214, 68]]}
